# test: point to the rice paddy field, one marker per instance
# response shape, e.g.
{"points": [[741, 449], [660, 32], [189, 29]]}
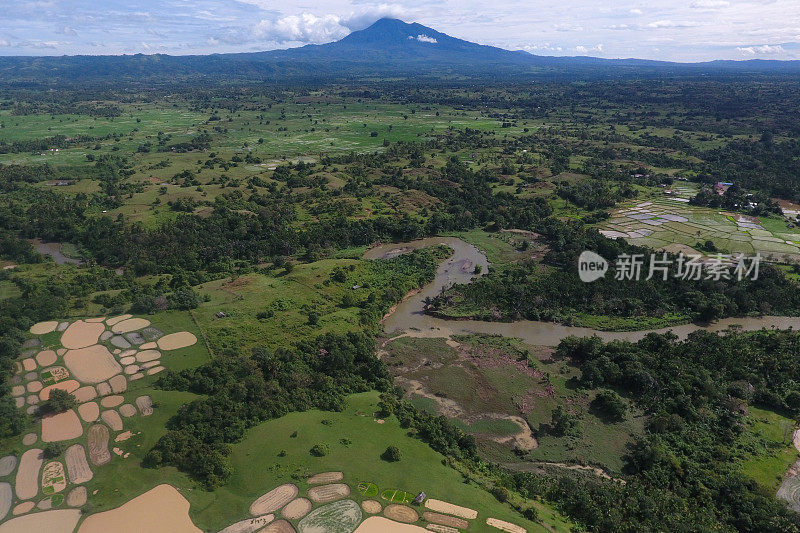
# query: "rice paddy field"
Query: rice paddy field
{"points": [[666, 223]]}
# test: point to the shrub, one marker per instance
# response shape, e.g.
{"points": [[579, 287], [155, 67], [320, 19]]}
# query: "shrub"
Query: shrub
{"points": [[609, 404], [53, 450], [59, 401], [319, 450], [391, 454]]}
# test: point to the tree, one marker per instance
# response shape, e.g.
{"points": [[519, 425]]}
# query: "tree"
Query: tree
{"points": [[319, 450], [563, 422], [609, 404], [391, 454], [59, 402], [53, 450]]}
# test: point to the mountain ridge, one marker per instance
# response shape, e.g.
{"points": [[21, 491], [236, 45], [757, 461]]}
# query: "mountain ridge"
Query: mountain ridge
{"points": [[388, 48]]}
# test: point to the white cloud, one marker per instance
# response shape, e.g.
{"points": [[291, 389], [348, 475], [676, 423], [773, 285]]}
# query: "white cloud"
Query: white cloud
{"points": [[425, 39], [764, 49], [672, 24], [317, 29], [588, 49], [636, 12], [545, 47], [3, 42], [709, 4], [304, 28], [362, 19]]}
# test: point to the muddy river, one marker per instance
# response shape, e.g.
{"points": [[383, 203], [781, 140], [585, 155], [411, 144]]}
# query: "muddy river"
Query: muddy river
{"points": [[409, 316]]}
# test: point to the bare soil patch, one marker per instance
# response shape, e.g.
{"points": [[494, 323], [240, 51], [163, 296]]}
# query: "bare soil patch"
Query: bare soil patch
{"points": [[77, 466], [379, 524], [127, 410], [84, 394], [148, 355], [502, 525], [328, 493], [98, 436], [113, 419], [116, 319], [249, 525], [81, 334], [70, 386], [145, 405], [372, 506], [55, 521], [274, 499], [53, 478], [7, 465], [22, 508], [27, 481], [112, 401], [280, 526], [450, 508], [61, 426], [118, 384], [6, 497], [130, 324], [42, 328], [175, 341], [46, 357], [445, 520], [77, 497], [160, 510], [325, 477], [401, 513], [92, 364], [296, 509]]}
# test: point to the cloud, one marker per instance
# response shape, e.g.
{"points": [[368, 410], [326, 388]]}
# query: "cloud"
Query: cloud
{"points": [[588, 49], [545, 47], [672, 24], [709, 4], [359, 21], [3, 42], [764, 49], [636, 12], [304, 28], [424, 39], [318, 29]]}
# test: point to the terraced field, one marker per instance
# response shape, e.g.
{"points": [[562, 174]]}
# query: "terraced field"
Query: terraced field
{"points": [[672, 225]]}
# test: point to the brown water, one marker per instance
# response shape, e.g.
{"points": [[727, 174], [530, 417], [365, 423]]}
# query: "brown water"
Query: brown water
{"points": [[409, 317], [53, 249]]}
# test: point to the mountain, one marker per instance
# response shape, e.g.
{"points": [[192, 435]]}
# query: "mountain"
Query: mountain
{"points": [[388, 49]]}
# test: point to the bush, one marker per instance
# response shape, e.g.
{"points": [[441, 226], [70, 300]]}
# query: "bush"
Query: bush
{"points": [[391, 454], [53, 450], [609, 404], [59, 401], [319, 450], [501, 494]]}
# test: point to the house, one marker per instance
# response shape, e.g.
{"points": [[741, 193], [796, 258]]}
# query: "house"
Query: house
{"points": [[420, 498], [721, 186]]}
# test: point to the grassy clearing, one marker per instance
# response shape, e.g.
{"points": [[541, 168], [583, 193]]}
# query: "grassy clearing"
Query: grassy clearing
{"points": [[270, 455], [494, 375], [773, 452]]}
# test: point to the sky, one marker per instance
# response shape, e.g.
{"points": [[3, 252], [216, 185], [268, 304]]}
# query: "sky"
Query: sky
{"points": [[674, 30]]}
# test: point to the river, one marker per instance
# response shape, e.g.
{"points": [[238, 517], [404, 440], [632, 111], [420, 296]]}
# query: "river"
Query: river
{"points": [[409, 316]]}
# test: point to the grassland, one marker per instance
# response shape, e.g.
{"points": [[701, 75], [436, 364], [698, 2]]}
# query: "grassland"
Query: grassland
{"points": [[485, 377], [774, 453]]}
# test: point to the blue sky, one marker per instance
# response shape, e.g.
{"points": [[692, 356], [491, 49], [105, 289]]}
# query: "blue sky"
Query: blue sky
{"points": [[680, 30]]}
